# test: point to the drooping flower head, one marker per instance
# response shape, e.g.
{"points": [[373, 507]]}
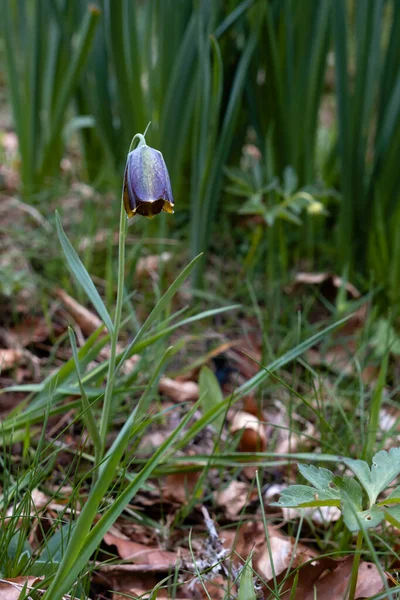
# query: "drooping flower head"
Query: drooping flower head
{"points": [[147, 187]]}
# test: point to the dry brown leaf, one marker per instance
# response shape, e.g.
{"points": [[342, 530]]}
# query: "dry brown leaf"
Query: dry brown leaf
{"points": [[338, 358], [10, 358], [31, 331], [216, 588], [129, 364], [284, 550], [309, 573], [149, 265], [85, 319], [139, 554], [355, 322], [140, 586], [179, 486], [179, 391], [333, 585], [243, 363], [233, 498], [253, 438], [9, 178], [10, 589], [9, 141]]}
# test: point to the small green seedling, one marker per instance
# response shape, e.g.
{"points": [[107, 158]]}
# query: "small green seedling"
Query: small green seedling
{"points": [[360, 511]]}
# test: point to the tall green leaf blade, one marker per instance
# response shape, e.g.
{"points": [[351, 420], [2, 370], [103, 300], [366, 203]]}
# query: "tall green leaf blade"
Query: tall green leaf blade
{"points": [[82, 276], [210, 394], [246, 587], [78, 556]]}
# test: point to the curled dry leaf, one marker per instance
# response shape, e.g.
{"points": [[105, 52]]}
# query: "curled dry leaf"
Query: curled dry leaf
{"points": [[10, 358], [85, 319], [179, 391], [233, 498], [253, 438], [334, 281], [10, 589]]}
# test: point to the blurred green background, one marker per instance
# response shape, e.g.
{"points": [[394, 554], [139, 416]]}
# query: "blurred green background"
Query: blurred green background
{"points": [[279, 121]]}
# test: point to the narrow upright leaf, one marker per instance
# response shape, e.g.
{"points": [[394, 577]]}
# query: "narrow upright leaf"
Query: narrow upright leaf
{"points": [[82, 276], [246, 588], [210, 394]]}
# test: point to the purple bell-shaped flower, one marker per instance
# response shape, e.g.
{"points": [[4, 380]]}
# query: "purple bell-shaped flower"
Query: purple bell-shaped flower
{"points": [[147, 187]]}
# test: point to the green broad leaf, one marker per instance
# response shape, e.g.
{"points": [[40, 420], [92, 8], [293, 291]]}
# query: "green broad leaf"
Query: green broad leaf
{"points": [[392, 515], [82, 276], [366, 519], [302, 496], [273, 185], [246, 587], [385, 467], [210, 394], [393, 498], [253, 206], [317, 476], [351, 502], [350, 491], [236, 190]]}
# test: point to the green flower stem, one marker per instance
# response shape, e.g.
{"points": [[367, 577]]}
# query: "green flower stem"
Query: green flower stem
{"points": [[356, 566], [108, 394]]}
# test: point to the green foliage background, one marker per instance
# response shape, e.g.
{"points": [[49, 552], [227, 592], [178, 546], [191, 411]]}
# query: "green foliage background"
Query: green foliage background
{"points": [[212, 75]]}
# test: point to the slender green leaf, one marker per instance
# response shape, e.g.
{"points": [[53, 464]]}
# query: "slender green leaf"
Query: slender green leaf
{"points": [[82, 276]]}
